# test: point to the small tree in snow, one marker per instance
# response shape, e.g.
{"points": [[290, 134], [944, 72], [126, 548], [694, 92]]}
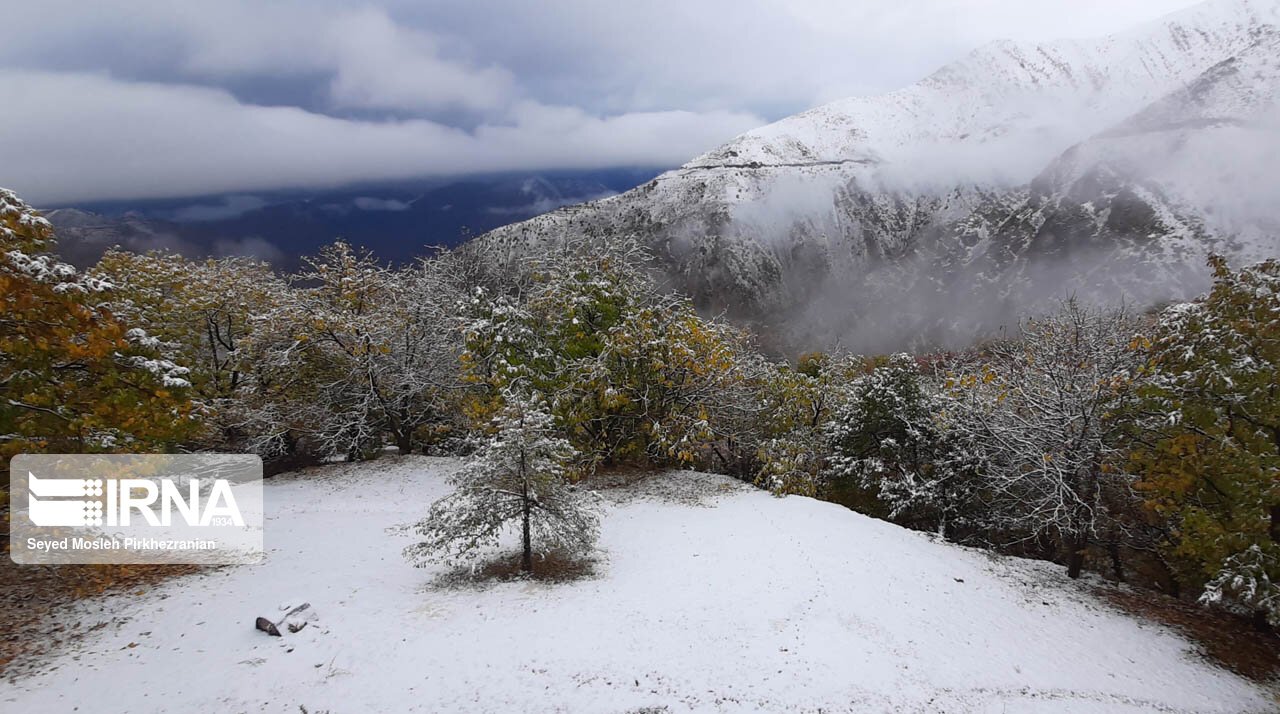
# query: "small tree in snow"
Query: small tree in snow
{"points": [[516, 477]]}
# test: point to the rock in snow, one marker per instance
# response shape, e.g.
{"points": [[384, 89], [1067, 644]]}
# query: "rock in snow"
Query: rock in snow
{"points": [[743, 602], [295, 618], [267, 626]]}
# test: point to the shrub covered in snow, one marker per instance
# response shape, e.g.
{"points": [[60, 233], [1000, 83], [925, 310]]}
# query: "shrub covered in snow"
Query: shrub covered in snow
{"points": [[515, 480], [895, 435], [1045, 411], [631, 373]]}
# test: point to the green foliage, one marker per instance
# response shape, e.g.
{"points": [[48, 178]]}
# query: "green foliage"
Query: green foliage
{"points": [[1210, 455], [794, 407], [632, 373], [812, 364], [894, 438]]}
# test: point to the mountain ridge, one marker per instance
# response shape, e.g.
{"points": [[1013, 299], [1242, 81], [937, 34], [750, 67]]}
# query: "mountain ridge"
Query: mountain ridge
{"points": [[934, 213]]}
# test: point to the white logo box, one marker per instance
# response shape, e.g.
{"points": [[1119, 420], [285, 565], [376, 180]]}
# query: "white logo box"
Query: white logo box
{"points": [[203, 509]]}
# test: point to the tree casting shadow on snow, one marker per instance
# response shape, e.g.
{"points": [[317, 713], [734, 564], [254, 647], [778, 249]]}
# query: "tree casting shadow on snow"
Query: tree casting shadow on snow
{"points": [[553, 567]]}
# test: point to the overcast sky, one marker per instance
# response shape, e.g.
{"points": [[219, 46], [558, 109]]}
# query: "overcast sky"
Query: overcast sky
{"points": [[132, 99]]}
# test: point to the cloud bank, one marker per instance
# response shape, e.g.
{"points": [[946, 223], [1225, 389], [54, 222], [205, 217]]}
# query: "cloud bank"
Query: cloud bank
{"points": [[152, 98], [86, 137]]}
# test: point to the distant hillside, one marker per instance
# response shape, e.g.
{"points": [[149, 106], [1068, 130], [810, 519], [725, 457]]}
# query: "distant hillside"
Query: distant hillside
{"points": [[397, 220]]}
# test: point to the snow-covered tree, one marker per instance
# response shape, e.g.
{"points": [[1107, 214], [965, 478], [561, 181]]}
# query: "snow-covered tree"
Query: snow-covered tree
{"points": [[1210, 450], [501, 346], [787, 411], [663, 378], [74, 377], [515, 479], [631, 373], [893, 436], [380, 346], [1045, 409], [202, 313]]}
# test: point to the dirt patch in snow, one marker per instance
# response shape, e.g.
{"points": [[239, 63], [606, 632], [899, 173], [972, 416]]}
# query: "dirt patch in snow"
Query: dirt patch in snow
{"points": [[1226, 639], [548, 567], [31, 597]]}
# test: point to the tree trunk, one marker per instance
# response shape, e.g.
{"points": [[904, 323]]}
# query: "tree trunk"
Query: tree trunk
{"points": [[404, 440], [526, 564], [1171, 586], [1048, 549], [1075, 559], [1117, 565], [723, 461]]}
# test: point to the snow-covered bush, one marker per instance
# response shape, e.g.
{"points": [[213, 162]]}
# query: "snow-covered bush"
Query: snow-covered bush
{"points": [[1248, 579], [516, 479], [384, 343], [791, 408], [893, 436]]}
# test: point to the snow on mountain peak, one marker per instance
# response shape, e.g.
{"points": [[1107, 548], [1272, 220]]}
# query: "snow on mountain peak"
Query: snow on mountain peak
{"points": [[1009, 107]]}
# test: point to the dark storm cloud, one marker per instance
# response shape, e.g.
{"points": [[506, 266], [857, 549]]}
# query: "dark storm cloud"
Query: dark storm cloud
{"points": [[125, 99]]}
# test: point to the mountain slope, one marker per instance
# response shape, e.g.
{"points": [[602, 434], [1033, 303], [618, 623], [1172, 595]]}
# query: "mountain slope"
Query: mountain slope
{"points": [[709, 596], [1008, 94], [934, 212]]}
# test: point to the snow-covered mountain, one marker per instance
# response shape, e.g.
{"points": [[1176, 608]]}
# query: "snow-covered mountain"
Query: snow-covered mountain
{"points": [[1020, 172]]}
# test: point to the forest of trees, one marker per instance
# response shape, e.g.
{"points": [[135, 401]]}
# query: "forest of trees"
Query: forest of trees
{"points": [[1144, 446]]}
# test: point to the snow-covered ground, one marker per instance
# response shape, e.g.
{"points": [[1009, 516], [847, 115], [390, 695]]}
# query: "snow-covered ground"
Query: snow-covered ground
{"points": [[709, 597]]}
